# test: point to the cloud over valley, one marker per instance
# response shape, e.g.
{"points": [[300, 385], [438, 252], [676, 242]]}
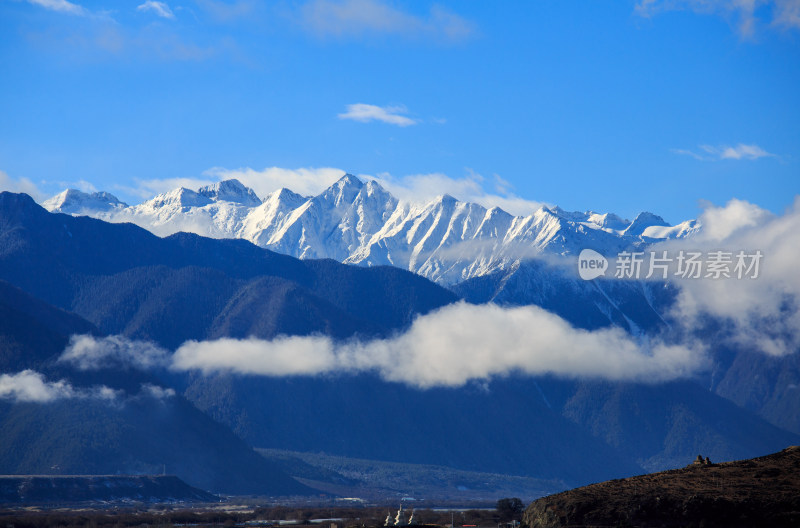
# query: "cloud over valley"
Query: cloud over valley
{"points": [[762, 313], [448, 347]]}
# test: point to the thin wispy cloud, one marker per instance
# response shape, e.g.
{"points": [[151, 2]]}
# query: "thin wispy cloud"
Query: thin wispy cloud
{"points": [[105, 37], [355, 18], [726, 152], [161, 9], [746, 15], [365, 113], [62, 6], [786, 14], [20, 185], [740, 151]]}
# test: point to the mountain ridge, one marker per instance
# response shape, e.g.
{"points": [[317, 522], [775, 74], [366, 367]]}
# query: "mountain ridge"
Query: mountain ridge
{"points": [[113, 421], [358, 222]]}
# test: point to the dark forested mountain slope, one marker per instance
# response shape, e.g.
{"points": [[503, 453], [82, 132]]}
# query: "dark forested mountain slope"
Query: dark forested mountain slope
{"points": [[32, 331], [140, 435], [63, 424], [126, 280]]}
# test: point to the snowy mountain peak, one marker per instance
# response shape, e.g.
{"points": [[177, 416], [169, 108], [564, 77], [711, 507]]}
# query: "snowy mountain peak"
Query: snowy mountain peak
{"points": [[682, 230], [446, 199], [643, 221], [349, 180], [559, 213], [73, 201], [342, 192], [347, 184], [608, 221], [231, 191], [180, 197], [445, 240], [284, 195], [374, 188]]}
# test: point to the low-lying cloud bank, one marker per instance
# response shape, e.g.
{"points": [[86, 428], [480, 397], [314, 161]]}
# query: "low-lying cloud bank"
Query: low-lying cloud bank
{"points": [[762, 313], [448, 347]]}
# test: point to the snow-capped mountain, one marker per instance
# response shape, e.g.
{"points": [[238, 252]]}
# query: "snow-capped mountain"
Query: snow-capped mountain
{"points": [[445, 240], [75, 202], [230, 191]]}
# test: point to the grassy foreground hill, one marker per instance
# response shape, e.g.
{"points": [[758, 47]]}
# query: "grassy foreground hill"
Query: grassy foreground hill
{"points": [[762, 491]]}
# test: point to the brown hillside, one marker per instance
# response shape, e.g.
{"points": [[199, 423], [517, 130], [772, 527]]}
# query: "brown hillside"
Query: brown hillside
{"points": [[762, 491]]}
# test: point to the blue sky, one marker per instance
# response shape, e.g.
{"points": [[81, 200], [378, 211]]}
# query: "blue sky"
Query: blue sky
{"points": [[619, 106]]}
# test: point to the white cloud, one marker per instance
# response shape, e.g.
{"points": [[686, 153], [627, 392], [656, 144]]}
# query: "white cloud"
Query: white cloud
{"points": [[452, 346], [282, 356], [21, 185], [31, 386], [62, 6], [365, 113], [719, 223], [348, 18], [161, 9], [157, 392], [726, 152], [87, 352], [761, 313], [745, 15], [740, 151]]}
